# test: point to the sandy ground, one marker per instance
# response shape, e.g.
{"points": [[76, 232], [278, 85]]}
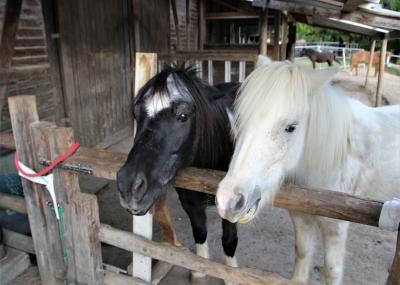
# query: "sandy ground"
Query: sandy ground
{"points": [[268, 242]]}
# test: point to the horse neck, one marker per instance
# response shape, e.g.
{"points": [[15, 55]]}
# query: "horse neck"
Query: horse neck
{"points": [[328, 138], [217, 152]]}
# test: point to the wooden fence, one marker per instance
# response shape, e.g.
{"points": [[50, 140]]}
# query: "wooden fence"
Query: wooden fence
{"points": [[204, 62], [70, 250]]}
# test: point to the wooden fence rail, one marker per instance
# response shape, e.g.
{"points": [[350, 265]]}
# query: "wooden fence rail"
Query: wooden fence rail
{"points": [[105, 164], [184, 258]]}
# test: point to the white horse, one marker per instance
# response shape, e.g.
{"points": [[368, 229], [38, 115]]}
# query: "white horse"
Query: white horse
{"points": [[291, 125]]}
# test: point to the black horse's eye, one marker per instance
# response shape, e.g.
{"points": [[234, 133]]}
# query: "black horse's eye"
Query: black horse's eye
{"points": [[182, 117], [290, 128]]}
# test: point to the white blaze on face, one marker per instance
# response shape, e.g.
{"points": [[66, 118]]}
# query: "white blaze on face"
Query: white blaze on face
{"points": [[156, 104]]}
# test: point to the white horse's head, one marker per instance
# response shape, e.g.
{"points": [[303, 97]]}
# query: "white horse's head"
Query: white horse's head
{"points": [[271, 124]]}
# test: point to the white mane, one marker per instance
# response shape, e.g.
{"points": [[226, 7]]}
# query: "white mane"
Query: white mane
{"points": [[274, 91]]}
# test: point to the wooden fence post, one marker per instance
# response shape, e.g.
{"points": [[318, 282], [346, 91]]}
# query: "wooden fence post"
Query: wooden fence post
{"points": [[146, 68], [79, 221], [277, 26], [43, 223], [382, 62], [264, 32], [371, 59], [394, 274], [290, 50]]}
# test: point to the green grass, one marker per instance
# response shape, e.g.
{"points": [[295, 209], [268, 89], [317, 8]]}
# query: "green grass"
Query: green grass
{"points": [[393, 70]]}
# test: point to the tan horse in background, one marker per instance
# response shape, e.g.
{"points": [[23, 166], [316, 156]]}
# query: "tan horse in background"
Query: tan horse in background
{"points": [[363, 57]]}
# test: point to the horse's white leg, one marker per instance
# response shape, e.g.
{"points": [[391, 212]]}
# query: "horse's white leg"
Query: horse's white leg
{"points": [[305, 227], [335, 236]]}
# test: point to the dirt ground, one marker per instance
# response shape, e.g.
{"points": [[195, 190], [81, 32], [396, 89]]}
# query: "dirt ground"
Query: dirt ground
{"points": [[268, 242]]}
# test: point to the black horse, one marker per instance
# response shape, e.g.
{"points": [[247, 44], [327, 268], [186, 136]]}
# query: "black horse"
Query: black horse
{"points": [[181, 121], [320, 57]]}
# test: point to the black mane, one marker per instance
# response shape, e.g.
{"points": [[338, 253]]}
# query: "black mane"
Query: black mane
{"points": [[214, 147]]}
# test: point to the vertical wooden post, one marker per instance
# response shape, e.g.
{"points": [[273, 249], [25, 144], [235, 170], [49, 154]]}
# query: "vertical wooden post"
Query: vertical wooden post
{"points": [[176, 23], [242, 71], [136, 24], [291, 40], [264, 32], [285, 31], [371, 59], [210, 72], [277, 26], [202, 24], [146, 68], [394, 274], [228, 73], [199, 67], [43, 223], [80, 223], [382, 62]]}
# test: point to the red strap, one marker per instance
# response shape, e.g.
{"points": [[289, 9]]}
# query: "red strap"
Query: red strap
{"points": [[51, 166]]}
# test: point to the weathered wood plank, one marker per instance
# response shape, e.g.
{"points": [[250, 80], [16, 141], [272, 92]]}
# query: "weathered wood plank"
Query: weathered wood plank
{"points": [[105, 164], [264, 32], [13, 203], [23, 112], [389, 23], [80, 217], [18, 241], [394, 273], [7, 140], [184, 258], [96, 64], [215, 55]]}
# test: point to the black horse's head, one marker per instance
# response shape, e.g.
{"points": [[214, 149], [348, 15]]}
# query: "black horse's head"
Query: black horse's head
{"points": [[306, 52], [174, 116]]}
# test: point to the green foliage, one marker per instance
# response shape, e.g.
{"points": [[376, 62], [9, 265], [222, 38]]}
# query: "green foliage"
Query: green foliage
{"points": [[316, 34], [391, 4]]}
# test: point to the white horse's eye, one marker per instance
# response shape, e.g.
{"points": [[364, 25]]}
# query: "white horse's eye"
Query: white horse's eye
{"points": [[290, 128]]}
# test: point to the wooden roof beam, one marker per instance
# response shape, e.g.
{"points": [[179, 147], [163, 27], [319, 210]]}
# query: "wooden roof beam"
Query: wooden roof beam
{"points": [[239, 6], [352, 5], [390, 23], [231, 15], [332, 24], [299, 8]]}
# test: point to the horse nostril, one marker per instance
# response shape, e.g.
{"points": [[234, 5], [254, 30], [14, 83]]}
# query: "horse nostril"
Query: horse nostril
{"points": [[238, 203], [139, 185]]}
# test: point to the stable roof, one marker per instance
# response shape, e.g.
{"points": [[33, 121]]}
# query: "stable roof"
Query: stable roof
{"points": [[366, 17]]}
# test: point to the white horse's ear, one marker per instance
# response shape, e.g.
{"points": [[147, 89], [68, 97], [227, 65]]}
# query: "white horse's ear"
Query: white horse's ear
{"points": [[320, 77], [263, 60]]}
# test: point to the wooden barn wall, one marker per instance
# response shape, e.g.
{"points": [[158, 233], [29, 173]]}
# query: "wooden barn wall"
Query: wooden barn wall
{"points": [[96, 62], [188, 19], [30, 54], [154, 25]]}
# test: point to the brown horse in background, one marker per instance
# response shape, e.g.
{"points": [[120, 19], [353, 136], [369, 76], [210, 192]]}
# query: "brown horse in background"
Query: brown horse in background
{"points": [[320, 57], [363, 57]]}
